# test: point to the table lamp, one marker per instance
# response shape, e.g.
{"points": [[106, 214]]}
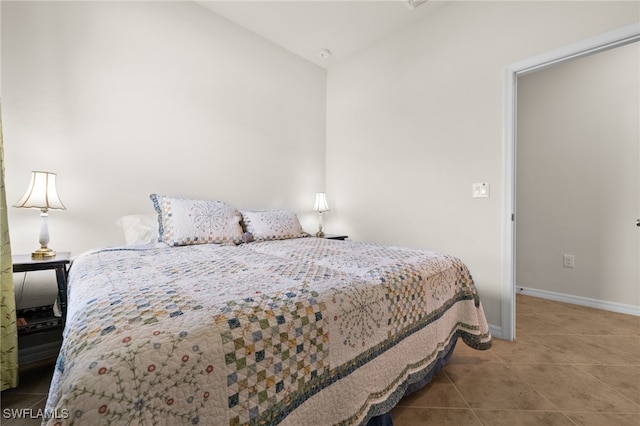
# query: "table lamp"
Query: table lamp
{"points": [[320, 206], [41, 194]]}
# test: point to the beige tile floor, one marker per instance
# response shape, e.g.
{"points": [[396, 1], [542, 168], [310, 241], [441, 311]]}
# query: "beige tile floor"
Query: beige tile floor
{"points": [[569, 365]]}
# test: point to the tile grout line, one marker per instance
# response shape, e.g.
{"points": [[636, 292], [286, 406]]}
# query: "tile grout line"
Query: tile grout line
{"points": [[584, 337], [506, 364], [475, 415], [608, 385]]}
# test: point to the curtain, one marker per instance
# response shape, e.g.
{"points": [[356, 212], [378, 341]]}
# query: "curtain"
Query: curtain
{"points": [[9, 342]]}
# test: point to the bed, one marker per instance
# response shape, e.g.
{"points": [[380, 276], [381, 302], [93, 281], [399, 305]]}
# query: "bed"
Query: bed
{"points": [[257, 330]]}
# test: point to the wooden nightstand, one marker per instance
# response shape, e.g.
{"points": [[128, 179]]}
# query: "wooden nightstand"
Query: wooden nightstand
{"points": [[59, 263], [335, 237]]}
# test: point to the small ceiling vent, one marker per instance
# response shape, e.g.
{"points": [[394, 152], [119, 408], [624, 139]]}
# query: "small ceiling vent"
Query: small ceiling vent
{"points": [[412, 4]]}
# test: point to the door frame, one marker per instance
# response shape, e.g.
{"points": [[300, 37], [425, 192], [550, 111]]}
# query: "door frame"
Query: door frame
{"points": [[608, 40]]}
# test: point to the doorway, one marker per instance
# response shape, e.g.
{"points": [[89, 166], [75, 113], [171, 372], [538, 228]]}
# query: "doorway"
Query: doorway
{"points": [[591, 46]]}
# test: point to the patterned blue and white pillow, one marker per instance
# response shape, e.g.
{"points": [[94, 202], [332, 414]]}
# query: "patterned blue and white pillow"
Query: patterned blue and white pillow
{"points": [[272, 225], [184, 222]]}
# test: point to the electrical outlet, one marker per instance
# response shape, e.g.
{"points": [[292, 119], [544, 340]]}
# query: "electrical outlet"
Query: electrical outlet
{"points": [[568, 261]]}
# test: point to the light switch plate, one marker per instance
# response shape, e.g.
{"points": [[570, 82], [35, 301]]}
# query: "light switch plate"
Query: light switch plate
{"points": [[568, 261], [480, 190]]}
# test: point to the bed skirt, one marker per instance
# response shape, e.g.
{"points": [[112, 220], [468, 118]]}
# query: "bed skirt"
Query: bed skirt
{"points": [[428, 374]]}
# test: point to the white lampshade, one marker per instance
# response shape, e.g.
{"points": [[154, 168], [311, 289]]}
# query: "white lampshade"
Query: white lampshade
{"points": [[41, 193], [321, 204]]}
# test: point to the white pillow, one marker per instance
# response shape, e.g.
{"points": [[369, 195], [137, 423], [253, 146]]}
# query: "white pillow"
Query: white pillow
{"points": [[272, 225], [188, 222], [139, 228]]}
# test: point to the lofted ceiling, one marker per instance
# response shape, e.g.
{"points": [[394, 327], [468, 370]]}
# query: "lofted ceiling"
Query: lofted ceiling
{"points": [[305, 27]]}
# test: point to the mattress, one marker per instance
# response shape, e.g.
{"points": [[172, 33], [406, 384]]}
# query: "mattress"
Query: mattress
{"points": [[293, 332]]}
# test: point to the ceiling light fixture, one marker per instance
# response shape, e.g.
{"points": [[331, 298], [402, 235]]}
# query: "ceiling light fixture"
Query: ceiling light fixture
{"points": [[412, 4], [324, 53]]}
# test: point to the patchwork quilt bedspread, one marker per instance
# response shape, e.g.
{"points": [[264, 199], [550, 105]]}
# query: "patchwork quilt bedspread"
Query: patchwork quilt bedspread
{"points": [[304, 331]]}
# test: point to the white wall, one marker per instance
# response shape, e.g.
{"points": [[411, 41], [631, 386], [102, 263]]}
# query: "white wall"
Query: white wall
{"points": [[413, 121], [578, 178], [124, 99]]}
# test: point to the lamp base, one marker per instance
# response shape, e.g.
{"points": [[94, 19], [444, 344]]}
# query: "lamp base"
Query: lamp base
{"points": [[43, 253], [320, 234]]}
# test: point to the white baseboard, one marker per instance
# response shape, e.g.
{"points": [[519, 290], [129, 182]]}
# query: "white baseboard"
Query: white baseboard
{"points": [[496, 331], [582, 301]]}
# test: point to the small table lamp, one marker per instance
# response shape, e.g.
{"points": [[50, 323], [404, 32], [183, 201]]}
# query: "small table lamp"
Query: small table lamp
{"points": [[320, 206], [41, 194]]}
